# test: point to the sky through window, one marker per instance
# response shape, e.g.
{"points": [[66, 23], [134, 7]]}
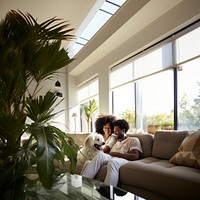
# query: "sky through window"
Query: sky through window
{"points": [[104, 13]]}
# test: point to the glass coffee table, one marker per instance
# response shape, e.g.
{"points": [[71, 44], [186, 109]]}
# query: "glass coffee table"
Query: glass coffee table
{"points": [[75, 187]]}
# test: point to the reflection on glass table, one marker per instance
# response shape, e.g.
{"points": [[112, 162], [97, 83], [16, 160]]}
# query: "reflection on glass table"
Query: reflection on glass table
{"points": [[68, 186]]}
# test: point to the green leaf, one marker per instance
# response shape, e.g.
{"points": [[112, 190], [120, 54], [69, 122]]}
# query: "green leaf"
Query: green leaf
{"points": [[67, 147], [40, 108], [45, 153]]}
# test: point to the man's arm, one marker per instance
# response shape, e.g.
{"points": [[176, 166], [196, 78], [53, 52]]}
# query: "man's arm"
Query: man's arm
{"points": [[134, 154]]}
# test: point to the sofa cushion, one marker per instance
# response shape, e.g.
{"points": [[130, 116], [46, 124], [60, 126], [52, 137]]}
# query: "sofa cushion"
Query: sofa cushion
{"points": [[162, 177], [146, 141], [166, 143], [189, 152]]}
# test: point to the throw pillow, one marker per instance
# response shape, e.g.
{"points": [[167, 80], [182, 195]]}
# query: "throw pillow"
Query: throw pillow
{"points": [[189, 151]]}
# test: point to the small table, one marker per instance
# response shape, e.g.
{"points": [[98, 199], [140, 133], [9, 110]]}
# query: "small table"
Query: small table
{"points": [[75, 187]]}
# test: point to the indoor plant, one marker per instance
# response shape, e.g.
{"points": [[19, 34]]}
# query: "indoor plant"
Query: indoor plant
{"points": [[31, 53], [89, 111]]}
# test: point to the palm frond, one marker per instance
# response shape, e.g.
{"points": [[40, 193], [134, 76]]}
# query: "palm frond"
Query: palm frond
{"points": [[40, 109]]}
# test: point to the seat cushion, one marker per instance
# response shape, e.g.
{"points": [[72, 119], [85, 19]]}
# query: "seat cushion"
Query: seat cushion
{"points": [[162, 177]]}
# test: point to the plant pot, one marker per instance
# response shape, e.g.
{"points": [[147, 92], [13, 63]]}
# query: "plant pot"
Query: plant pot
{"points": [[151, 129], [167, 127]]}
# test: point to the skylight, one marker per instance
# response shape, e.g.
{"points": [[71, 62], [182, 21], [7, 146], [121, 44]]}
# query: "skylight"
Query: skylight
{"points": [[103, 14]]}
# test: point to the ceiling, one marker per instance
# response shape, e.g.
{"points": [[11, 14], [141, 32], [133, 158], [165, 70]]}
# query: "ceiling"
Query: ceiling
{"points": [[133, 16], [74, 11]]}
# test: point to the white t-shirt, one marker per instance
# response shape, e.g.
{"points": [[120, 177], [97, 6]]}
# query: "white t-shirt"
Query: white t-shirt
{"points": [[127, 145]]}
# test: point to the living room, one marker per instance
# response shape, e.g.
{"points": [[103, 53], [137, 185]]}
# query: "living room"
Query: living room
{"points": [[143, 61]]}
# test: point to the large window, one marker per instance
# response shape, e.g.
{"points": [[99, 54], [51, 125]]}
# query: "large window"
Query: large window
{"points": [[189, 96], [188, 61], [153, 61], [146, 85], [86, 94], [124, 104], [188, 46], [123, 93], [98, 16], [156, 100]]}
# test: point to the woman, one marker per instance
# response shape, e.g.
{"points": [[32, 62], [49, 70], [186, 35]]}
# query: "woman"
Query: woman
{"points": [[104, 126]]}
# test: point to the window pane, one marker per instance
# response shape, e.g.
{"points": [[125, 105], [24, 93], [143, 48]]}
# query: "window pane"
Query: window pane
{"points": [[121, 75], [82, 93], [88, 90], [86, 94], [75, 49], [93, 88], [95, 24], [109, 7], [85, 127], [156, 94], [148, 63], [119, 2], [189, 96], [188, 46], [123, 102], [81, 41]]}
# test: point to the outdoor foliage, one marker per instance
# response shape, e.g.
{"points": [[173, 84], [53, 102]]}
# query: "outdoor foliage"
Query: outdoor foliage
{"points": [[190, 111], [129, 116]]}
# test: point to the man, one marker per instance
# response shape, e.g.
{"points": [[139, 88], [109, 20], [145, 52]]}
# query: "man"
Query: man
{"points": [[126, 148]]}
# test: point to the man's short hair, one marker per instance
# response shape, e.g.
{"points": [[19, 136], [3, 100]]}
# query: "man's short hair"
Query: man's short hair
{"points": [[122, 123]]}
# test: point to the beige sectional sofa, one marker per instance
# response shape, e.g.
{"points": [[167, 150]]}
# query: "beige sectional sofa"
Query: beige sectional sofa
{"points": [[154, 176]]}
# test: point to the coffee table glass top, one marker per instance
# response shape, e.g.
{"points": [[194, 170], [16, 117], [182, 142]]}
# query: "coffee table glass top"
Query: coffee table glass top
{"points": [[76, 187]]}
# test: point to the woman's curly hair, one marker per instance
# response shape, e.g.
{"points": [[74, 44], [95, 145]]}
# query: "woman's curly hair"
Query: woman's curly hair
{"points": [[102, 120]]}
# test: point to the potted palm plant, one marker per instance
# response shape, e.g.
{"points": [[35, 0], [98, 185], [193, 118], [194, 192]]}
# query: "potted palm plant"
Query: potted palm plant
{"points": [[31, 53], [89, 111]]}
